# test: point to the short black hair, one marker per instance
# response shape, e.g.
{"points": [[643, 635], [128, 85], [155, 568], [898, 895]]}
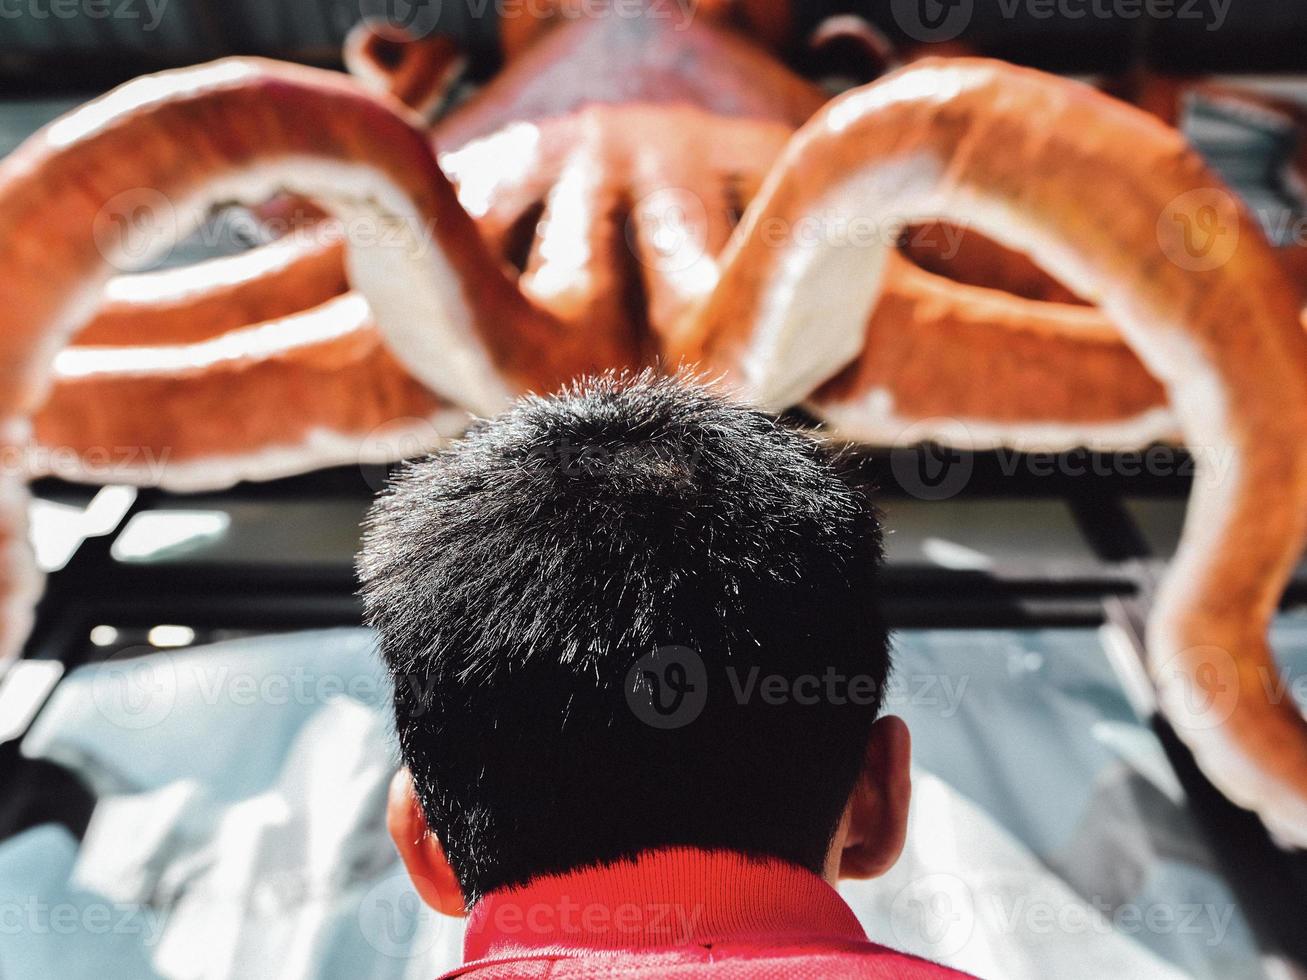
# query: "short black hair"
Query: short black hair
{"points": [[531, 583]]}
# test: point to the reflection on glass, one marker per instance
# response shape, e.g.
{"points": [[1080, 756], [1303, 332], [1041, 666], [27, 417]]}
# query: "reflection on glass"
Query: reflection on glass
{"points": [[978, 535], [246, 532], [169, 535], [56, 529], [1050, 836]]}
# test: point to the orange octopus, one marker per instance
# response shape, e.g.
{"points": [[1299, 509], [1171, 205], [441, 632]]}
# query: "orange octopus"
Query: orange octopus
{"points": [[631, 192]]}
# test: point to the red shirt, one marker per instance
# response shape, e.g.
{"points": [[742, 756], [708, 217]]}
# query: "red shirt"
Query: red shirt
{"points": [[678, 913]]}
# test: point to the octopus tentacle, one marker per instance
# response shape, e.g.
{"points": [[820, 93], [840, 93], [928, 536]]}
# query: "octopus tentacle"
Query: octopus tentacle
{"points": [[20, 580], [1029, 374], [687, 199], [417, 71], [196, 302], [108, 186], [1181, 268], [572, 267], [165, 146], [314, 389]]}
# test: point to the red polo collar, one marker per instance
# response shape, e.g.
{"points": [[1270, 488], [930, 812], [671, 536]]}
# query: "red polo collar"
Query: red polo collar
{"points": [[664, 898]]}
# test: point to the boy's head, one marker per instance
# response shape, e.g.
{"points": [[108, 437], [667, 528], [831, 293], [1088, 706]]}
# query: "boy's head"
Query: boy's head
{"points": [[629, 616]]}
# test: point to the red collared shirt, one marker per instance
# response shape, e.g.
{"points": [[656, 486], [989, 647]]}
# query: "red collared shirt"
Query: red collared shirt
{"points": [[678, 913]]}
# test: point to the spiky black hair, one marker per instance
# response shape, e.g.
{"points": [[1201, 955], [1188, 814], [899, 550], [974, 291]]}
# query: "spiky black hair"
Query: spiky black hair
{"points": [[578, 602]]}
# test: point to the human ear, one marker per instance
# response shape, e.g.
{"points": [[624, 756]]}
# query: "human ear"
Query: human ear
{"points": [[420, 849], [875, 823]]}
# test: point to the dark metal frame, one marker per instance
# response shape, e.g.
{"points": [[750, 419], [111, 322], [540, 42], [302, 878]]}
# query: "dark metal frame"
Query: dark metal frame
{"points": [[1257, 35]]}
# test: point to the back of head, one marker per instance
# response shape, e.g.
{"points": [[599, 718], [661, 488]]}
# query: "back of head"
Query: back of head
{"points": [[628, 616]]}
